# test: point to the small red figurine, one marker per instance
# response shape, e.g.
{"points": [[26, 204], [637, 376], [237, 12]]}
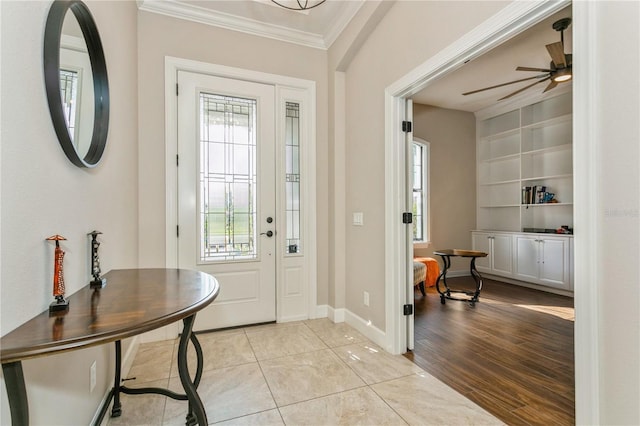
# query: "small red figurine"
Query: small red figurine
{"points": [[58, 277]]}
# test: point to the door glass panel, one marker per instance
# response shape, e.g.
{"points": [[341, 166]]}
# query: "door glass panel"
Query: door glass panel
{"points": [[292, 177], [227, 178]]}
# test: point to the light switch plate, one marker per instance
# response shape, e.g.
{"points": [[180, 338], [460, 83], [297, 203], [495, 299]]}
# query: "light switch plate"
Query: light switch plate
{"points": [[358, 218]]}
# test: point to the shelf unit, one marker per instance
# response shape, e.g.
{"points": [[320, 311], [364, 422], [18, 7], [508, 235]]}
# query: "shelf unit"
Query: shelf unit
{"points": [[528, 146]]}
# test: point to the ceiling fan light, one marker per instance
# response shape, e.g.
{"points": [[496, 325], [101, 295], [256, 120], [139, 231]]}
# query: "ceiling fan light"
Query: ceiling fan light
{"points": [[562, 75]]}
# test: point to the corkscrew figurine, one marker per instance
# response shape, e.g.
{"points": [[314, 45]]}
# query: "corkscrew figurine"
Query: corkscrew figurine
{"points": [[60, 304], [97, 281]]}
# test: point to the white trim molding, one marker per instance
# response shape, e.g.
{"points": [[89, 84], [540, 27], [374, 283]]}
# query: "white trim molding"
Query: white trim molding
{"points": [[366, 328], [586, 206], [208, 16]]}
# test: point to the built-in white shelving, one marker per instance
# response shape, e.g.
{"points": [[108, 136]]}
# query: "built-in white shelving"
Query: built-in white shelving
{"points": [[529, 146]]}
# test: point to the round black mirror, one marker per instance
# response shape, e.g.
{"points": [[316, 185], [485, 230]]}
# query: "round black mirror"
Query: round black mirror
{"points": [[75, 74]]}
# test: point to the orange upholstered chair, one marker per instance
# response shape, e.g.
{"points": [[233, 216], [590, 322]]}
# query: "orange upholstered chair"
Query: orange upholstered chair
{"points": [[433, 270]]}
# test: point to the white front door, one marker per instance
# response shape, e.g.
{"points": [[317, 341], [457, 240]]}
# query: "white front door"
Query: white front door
{"points": [[226, 194]]}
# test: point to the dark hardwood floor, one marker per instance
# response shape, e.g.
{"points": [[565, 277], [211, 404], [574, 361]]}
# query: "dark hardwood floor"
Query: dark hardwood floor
{"points": [[512, 353]]}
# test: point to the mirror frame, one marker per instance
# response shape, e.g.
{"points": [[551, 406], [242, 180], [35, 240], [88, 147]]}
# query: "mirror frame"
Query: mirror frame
{"points": [[52, 35]]}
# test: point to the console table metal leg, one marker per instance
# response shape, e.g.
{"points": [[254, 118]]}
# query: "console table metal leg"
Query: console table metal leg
{"points": [[116, 411], [196, 381], [16, 393], [195, 403]]}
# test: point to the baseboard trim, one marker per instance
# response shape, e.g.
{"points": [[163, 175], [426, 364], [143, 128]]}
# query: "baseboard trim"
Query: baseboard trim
{"points": [[532, 286], [363, 326], [366, 328], [326, 311]]}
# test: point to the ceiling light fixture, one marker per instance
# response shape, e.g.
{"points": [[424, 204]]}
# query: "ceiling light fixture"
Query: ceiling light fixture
{"points": [[299, 4], [563, 74]]}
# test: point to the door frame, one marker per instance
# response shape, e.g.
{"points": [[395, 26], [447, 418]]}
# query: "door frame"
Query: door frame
{"points": [[286, 89], [513, 19]]}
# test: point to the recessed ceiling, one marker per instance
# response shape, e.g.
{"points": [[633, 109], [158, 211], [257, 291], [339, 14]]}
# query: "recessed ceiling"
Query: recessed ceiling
{"points": [[318, 27], [498, 66]]}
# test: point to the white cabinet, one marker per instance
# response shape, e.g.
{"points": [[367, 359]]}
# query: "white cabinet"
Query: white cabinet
{"points": [[500, 253], [543, 260]]}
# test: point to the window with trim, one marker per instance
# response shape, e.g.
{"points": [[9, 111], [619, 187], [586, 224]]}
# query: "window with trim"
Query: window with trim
{"points": [[420, 152]]}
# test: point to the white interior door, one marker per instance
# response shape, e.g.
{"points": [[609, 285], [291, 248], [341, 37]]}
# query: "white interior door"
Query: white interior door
{"points": [[408, 152], [226, 194]]}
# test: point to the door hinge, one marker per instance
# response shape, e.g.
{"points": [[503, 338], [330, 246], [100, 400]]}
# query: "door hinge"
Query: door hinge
{"points": [[407, 217], [177, 230], [177, 89], [177, 160], [408, 309], [406, 126]]}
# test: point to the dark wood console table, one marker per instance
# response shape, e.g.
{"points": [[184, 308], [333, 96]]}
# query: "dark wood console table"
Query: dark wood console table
{"points": [[445, 292], [134, 301]]}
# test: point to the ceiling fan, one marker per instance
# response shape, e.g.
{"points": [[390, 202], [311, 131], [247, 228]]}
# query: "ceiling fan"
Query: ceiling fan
{"points": [[559, 70]]}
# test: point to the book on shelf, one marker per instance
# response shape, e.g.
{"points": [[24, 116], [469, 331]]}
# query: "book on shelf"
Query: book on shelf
{"points": [[536, 194], [539, 194]]}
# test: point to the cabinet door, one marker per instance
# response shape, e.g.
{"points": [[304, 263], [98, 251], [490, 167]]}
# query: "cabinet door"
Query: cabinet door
{"points": [[481, 241], [502, 256], [554, 262], [526, 258]]}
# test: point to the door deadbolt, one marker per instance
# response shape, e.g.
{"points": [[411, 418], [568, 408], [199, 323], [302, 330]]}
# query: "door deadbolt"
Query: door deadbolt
{"points": [[269, 219]]}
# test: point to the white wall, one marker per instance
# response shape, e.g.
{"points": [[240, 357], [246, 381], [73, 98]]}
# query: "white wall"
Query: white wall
{"points": [[44, 194], [409, 34], [452, 170], [160, 36]]}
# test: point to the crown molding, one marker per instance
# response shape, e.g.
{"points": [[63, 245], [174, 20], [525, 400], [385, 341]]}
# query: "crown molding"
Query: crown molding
{"points": [[341, 22], [228, 21]]}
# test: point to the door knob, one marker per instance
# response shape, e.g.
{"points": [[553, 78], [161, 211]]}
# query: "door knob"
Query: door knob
{"points": [[268, 233]]}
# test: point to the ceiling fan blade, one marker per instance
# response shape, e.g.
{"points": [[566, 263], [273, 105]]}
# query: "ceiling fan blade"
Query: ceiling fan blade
{"points": [[551, 86], [556, 50], [524, 88], [505, 84], [532, 69]]}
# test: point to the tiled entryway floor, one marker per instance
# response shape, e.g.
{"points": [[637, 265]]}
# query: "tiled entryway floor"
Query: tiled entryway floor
{"points": [[303, 373]]}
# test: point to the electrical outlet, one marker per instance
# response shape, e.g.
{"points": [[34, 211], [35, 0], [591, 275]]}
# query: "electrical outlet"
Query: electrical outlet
{"points": [[366, 298], [93, 375]]}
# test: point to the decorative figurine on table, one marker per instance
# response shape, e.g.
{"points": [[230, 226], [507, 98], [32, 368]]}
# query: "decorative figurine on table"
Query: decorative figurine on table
{"points": [[97, 281], [60, 304]]}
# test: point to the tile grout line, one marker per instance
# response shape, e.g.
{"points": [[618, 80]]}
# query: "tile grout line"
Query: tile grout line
{"points": [[263, 378]]}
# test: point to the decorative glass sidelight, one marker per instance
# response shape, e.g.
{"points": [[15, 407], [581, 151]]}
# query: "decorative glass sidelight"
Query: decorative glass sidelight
{"points": [[227, 178], [292, 178]]}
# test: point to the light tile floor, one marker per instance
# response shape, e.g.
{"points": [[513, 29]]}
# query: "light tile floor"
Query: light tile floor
{"points": [[303, 373]]}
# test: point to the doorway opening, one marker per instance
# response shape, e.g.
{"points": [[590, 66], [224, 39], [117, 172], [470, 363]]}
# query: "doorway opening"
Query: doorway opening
{"points": [[396, 106], [508, 23]]}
